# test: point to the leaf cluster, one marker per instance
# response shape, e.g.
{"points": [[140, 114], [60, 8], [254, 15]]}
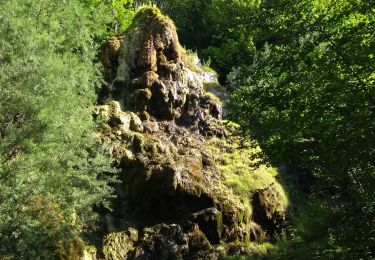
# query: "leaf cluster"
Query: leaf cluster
{"points": [[51, 165], [308, 98]]}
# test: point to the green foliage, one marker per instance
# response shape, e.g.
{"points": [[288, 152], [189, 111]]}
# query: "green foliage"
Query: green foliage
{"points": [[308, 98], [243, 171], [303, 86], [231, 52], [113, 16], [310, 237], [191, 19], [51, 165], [231, 42]]}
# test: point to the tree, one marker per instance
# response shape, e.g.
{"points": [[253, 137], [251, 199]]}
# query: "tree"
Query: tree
{"points": [[113, 16], [51, 164], [191, 19], [308, 98], [231, 42]]}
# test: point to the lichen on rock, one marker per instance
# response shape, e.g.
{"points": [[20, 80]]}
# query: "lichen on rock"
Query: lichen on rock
{"points": [[119, 245], [186, 184]]}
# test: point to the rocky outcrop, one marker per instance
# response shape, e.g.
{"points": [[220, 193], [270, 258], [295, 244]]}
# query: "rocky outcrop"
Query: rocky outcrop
{"points": [[174, 199]]}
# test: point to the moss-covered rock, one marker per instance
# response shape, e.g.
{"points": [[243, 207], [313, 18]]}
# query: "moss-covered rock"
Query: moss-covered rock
{"points": [[270, 207], [108, 56], [218, 93], [76, 250], [154, 73], [112, 114], [173, 241], [119, 245], [253, 182], [187, 183]]}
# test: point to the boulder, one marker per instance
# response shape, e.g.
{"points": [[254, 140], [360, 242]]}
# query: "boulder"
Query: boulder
{"points": [[172, 241], [268, 209]]}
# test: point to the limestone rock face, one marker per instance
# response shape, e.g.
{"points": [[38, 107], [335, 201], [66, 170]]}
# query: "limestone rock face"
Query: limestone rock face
{"points": [[154, 73], [173, 191]]}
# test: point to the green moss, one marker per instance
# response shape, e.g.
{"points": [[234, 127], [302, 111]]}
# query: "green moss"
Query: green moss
{"points": [[147, 14], [117, 245], [188, 57], [216, 90], [213, 97], [232, 201], [231, 126], [206, 68], [90, 249], [284, 200], [243, 171], [248, 181], [253, 250], [219, 221]]}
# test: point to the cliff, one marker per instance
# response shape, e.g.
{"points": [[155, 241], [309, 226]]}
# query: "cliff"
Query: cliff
{"points": [[189, 187]]}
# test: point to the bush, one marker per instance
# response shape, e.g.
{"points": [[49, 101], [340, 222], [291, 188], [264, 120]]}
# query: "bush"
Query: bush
{"points": [[51, 165]]}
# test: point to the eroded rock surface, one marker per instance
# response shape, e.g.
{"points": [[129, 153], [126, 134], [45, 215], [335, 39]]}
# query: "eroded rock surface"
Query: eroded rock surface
{"points": [[174, 199]]}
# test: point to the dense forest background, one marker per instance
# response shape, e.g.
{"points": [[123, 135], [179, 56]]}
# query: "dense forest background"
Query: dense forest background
{"points": [[301, 76]]}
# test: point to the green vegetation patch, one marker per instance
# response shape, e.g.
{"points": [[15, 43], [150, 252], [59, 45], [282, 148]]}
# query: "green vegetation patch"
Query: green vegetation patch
{"points": [[213, 97], [147, 14], [243, 171]]}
